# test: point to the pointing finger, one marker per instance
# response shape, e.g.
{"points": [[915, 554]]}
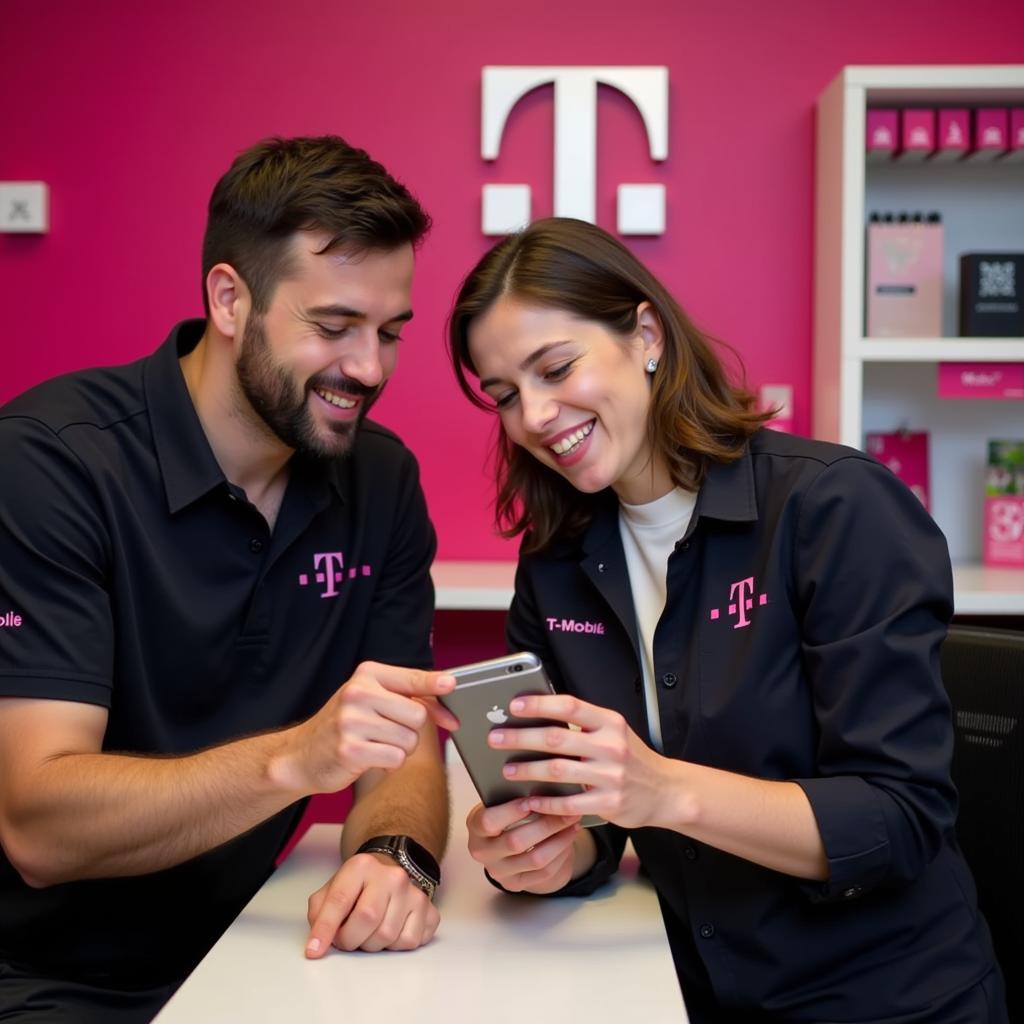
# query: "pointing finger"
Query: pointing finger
{"points": [[412, 682]]}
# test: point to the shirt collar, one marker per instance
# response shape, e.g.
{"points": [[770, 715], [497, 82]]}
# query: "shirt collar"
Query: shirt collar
{"points": [[189, 468], [727, 494], [728, 491], [187, 462]]}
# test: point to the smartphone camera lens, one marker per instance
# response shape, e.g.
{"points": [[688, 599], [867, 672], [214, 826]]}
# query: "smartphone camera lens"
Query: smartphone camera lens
{"points": [[517, 668]]}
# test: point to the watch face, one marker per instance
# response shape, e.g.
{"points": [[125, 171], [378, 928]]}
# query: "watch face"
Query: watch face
{"points": [[423, 860], [417, 861]]}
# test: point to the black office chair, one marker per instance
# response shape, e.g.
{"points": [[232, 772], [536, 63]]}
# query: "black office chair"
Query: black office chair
{"points": [[983, 671]]}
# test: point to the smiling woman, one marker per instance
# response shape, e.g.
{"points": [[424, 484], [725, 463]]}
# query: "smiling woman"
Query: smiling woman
{"points": [[564, 307], [760, 710]]}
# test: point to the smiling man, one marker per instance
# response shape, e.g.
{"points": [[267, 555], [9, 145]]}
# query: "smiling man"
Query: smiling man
{"points": [[220, 571]]}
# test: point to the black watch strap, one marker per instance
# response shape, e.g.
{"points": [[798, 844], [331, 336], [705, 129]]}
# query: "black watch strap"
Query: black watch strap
{"points": [[418, 862]]}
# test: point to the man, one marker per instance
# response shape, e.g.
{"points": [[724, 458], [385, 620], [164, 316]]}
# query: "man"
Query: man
{"points": [[196, 552]]}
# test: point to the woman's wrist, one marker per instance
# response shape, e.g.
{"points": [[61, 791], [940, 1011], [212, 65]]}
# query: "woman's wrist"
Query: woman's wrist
{"points": [[677, 805]]}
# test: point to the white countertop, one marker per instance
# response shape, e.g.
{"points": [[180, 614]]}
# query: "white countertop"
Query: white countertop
{"points": [[495, 958]]}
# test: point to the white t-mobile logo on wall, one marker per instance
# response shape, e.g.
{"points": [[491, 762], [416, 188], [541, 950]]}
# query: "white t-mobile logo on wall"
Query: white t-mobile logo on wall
{"points": [[640, 208]]}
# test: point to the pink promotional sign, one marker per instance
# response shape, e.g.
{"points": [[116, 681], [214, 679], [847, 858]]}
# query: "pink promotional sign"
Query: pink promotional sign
{"points": [[981, 380], [905, 453], [1004, 504], [1004, 531]]}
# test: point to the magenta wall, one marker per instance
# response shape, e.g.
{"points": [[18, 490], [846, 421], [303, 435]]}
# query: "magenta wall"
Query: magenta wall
{"points": [[132, 113]]}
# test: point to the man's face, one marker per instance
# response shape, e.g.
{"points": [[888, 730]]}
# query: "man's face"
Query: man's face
{"points": [[312, 365]]}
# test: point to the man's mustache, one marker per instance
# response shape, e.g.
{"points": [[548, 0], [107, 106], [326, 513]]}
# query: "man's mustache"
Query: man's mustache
{"points": [[343, 386]]}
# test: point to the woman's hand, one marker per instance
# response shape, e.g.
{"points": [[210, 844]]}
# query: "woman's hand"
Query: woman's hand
{"points": [[627, 783], [540, 856]]}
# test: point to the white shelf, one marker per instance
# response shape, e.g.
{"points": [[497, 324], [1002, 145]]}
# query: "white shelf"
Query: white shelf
{"points": [[939, 350], [986, 590], [473, 586], [487, 586], [869, 384]]}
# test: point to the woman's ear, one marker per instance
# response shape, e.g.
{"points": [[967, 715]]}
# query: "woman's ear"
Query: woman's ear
{"points": [[651, 331], [229, 299]]}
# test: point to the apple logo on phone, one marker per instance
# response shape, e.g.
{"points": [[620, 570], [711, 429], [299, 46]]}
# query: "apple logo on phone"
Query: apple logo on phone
{"points": [[497, 715]]}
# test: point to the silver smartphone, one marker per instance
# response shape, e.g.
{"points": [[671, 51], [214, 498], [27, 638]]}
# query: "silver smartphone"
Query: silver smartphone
{"points": [[480, 700]]}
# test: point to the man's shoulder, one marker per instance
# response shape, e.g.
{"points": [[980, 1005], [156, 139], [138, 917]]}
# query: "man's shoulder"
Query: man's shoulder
{"points": [[98, 397]]}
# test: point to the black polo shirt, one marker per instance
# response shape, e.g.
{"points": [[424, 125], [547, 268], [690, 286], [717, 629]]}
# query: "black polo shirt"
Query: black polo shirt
{"points": [[134, 576], [806, 606]]}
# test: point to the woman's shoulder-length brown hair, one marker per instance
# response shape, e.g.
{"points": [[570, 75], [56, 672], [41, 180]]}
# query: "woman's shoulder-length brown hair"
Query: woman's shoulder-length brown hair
{"points": [[697, 416]]}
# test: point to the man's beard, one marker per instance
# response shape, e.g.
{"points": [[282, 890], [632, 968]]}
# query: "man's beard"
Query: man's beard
{"points": [[284, 408]]}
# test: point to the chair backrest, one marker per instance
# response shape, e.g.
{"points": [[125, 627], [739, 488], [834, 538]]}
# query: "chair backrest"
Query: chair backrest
{"points": [[983, 671]]}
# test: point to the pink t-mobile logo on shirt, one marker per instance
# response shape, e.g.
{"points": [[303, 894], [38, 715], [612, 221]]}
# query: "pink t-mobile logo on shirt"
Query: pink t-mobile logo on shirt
{"points": [[331, 571], [741, 601], [10, 621]]}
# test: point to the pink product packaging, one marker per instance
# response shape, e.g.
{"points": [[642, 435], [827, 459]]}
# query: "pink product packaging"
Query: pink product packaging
{"points": [[905, 453], [1016, 135], [991, 128], [904, 280], [981, 380], [1004, 504], [917, 134], [883, 134], [953, 140]]}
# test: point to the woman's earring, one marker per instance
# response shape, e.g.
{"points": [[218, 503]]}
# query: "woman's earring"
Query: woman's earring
{"points": [[652, 365]]}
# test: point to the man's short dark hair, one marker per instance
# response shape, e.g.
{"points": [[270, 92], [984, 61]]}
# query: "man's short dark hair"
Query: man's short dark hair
{"points": [[281, 186]]}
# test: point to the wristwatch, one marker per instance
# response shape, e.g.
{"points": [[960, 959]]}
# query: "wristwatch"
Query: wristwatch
{"points": [[418, 863]]}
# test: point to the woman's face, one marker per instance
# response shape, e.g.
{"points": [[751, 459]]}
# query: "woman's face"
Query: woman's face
{"points": [[574, 394]]}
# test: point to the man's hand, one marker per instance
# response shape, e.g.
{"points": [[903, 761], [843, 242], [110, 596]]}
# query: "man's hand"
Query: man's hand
{"points": [[370, 904], [540, 856], [373, 721]]}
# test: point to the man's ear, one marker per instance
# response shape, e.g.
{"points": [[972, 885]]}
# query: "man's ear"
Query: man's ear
{"points": [[229, 299], [651, 331]]}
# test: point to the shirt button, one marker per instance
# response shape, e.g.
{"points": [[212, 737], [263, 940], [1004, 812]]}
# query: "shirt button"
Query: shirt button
{"points": [[707, 931], [255, 545], [668, 680], [689, 853]]}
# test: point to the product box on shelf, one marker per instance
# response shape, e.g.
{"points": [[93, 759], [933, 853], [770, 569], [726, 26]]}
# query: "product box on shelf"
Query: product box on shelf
{"points": [[991, 128], [883, 134], [1016, 135], [981, 380], [905, 453], [990, 294], [1004, 504], [904, 277], [917, 134], [953, 139]]}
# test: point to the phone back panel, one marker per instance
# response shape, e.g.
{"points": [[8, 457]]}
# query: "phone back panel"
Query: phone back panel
{"points": [[480, 701]]}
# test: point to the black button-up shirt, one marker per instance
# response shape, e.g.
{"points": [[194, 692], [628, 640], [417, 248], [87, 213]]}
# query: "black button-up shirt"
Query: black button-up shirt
{"points": [[146, 583], [799, 641]]}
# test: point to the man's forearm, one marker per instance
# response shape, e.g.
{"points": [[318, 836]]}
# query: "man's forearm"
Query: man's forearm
{"points": [[411, 801], [101, 815]]}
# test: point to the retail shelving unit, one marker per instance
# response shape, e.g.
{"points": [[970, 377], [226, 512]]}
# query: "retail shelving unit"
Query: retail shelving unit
{"points": [[863, 384]]}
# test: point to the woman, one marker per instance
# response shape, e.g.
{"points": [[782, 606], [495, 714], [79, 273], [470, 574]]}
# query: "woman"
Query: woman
{"points": [[745, 628]]}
